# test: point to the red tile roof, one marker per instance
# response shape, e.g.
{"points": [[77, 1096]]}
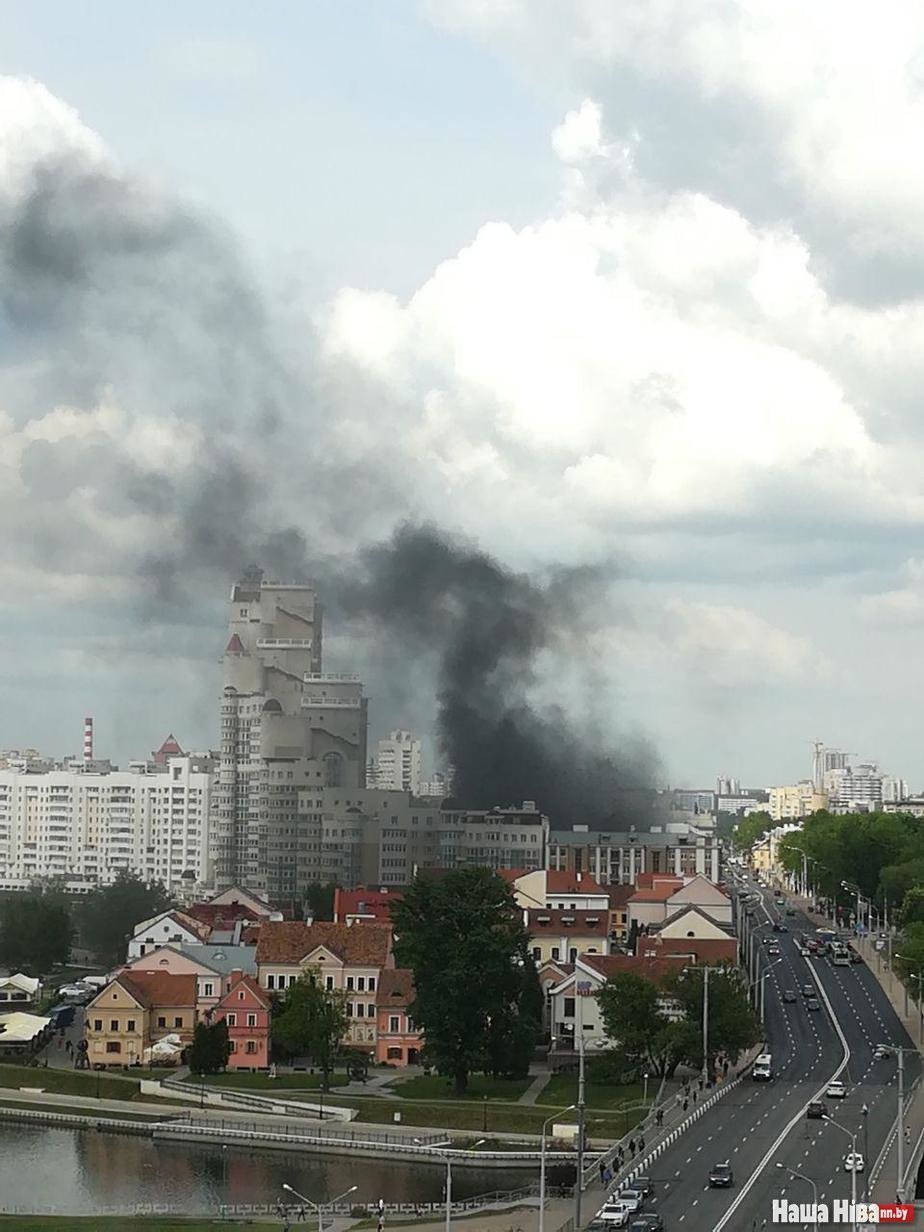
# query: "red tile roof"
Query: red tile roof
{"points": [[707, 950], [396, 988], [560, 881], [287, 942], [221, 915], [617, 964], [660, 892], [619, 895], [160, 988], [261, 996], [554, 920], [375, 903]]}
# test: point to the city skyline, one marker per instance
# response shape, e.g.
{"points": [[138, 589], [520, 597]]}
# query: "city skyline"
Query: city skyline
{"points": [[576, 338]]}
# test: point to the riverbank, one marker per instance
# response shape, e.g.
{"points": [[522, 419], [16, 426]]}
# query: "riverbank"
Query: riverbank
{"points": [[117, 1223]]}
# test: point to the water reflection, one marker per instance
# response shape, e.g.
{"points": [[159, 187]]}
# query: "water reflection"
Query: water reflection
{"points": [[81, 1171]]}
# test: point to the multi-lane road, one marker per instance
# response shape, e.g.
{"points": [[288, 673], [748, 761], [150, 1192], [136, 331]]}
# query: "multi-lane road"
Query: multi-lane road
{"points": [[758, 1125]]}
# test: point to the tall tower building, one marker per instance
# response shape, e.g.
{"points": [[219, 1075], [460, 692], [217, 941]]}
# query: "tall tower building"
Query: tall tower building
{"points": [[398, 763], [285, 725]]}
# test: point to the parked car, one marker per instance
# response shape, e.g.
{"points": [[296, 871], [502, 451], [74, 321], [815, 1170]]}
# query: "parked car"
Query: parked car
{"points": [[813, 1004], [644, 1184], [647, 1223], [836, 1089], [789, 995], [882, 1050], [808, 990], [613, 1214], [631, 1197], [854, 1162], [816, 1110]]}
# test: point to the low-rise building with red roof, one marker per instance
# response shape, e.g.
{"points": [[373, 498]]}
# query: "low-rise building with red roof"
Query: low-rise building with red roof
{"points": [[399, 1042], [362, 906], [558, 935], [245, 1007], [136, 1010]]}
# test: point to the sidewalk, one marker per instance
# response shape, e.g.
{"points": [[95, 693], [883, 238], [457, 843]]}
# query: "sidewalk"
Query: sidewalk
{"points": [[535, 1088]]}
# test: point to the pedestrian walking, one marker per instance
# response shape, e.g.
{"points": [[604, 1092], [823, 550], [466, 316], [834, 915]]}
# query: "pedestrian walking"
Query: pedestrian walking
{"points": [[607, 1178], [679, 1099], [695, 1097], [631, 1147], [700, 1084], [602, 1166], [686, 1104], [641, 1143], [907, 1133]]}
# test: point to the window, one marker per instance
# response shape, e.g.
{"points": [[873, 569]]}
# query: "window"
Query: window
{"points": [[232, 1046], [372, 983], [359, 1009], [349, 1009], [251, 1046], [556, 952], [178, 1021], [329, 982], [113, 1024], [208, 989], [113, 1046], [231, 1020], [97, 1024], [537, 953], [271, 981], [162, 1022], [251, 1020], [240, 995], [394, 1054], [393, 1023], [350, 983], [361, 983], [130, 1025], [569, 1007]]}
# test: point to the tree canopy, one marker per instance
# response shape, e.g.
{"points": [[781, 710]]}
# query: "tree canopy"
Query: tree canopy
{"points": [[477, 996], [751, 828], [108, 915], [35, 932], [657, 1026], [210, 1048], [311, 1021]]}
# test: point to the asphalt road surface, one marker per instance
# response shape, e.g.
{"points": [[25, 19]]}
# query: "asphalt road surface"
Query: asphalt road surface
{"points": [[761, 1124]]}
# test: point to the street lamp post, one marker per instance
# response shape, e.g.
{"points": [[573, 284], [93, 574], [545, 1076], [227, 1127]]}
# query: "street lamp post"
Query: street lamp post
{"points": [[919, 976], [435, 1146], [853, 1170], [545, 1125], [318, 1206], [808, 1180], [645, 1089]]}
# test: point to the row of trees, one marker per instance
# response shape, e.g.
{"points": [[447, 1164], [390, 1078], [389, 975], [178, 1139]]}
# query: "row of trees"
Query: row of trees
{"points": [[882, 853], [38, 929], [660, 1027]]}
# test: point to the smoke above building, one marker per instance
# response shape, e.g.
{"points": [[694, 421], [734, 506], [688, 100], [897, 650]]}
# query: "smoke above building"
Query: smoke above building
{"points": [[171, 426]]}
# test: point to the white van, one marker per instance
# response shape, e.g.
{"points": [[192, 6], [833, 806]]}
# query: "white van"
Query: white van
{"points": [[763, 1068]]}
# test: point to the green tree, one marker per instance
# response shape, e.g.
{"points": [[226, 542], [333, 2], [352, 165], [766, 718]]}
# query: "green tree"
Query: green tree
{"points": [[210, 1048], [635, 1018], [751, 828], [319, 900], [108, 915], [733, 1025], [35, 932], [311, 1021], [477, 997], [913, 905]]}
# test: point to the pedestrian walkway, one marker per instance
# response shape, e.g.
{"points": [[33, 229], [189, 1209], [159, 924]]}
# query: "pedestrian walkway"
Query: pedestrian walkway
{"points": [[535, 1088]]}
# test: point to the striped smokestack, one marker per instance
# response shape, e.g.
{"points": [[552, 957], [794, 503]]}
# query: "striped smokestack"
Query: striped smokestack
{"points": [[87, 739]]}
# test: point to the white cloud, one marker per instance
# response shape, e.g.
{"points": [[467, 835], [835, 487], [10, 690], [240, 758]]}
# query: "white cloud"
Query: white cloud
{"points": [[580, 134], [36, 126]]}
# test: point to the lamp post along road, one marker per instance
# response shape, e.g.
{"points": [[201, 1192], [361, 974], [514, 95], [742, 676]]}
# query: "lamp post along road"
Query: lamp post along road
{"points": [[853, 1170], [318, 1206], [545, 1125], [809, 1181]]}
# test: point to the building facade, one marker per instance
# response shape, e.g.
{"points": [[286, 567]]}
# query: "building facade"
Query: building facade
{"points": [[397, 765], [618, 857], [398, 1041], [86, 827], [245, 1008], [796, 800]]}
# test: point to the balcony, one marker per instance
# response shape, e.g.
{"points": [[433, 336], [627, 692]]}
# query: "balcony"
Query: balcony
{"points": [[284, 643]]}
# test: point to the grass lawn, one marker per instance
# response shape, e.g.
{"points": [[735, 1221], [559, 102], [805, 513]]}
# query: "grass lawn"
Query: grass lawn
{"points": [[116, 1223], [435, 1086], [263, 1082], [68, 1081], [561, 1091], [471, 1115]]}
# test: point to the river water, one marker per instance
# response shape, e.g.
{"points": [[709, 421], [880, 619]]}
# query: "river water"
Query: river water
{"points": [[78, 1171]]}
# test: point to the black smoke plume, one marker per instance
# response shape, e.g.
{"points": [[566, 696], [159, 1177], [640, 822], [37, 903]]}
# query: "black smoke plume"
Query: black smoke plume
{"points": [[488, 628]]}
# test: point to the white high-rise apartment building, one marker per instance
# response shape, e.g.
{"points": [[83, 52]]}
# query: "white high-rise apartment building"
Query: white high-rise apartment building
{"points": [[86, 827], [398, 763], [285, 726]]}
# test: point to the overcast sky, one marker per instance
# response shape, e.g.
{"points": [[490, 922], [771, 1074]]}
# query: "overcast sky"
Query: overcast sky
{"points": [[636, 283]]}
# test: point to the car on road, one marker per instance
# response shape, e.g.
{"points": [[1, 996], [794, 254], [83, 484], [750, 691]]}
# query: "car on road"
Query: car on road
{"points": [[882, 1050], [789, 996], [721, 1176], [836, 1089], [631, 1197], [854, 1162], [644, 1185], [774, 951], [816, 1110], [813, 1004], [808, 990], [613, 1214], [647, 1223]]}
